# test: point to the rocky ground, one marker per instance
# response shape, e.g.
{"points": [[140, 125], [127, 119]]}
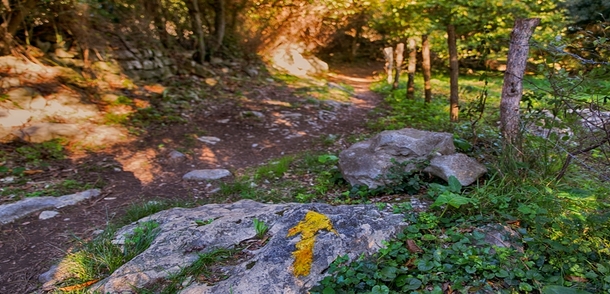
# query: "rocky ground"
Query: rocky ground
{"points": [[238, 123]]}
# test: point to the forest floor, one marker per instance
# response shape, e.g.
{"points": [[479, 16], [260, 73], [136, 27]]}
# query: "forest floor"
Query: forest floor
{"points": [[255, 122]]}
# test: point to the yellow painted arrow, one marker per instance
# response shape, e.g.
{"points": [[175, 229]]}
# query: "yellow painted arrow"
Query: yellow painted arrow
{"points": [[308, 227]]}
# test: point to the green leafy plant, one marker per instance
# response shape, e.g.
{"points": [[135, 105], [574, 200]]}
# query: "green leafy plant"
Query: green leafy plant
{"points": [[260, 227], [448, 196]]}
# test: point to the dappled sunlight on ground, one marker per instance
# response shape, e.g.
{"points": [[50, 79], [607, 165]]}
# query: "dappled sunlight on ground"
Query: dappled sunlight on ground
{"points": [[141, 165], [208, 156]]}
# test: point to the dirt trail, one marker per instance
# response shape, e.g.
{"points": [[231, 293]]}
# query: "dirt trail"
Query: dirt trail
{"points": [[140, 171]]}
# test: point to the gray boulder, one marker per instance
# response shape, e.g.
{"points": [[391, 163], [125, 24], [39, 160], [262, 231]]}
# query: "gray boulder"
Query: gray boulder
{"points": [[368, 162], [466, 169], [355, 230]]}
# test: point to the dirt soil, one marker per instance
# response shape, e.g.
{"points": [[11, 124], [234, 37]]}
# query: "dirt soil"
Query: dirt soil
{"points": [[140, 170]]}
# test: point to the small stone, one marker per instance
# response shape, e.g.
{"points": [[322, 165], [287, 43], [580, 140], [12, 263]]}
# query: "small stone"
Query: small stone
{"points": [[223, 121], [254, 145], [47, 214], [207, 174], [215, 60], [209, 140], [252, 113], [7, 180], [176, 156], [252, 72]]}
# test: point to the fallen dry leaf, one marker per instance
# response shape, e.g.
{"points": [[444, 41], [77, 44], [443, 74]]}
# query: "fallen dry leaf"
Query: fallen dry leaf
{"points": [[33, 171], [576, 279], [413, 247], [79, 286]]}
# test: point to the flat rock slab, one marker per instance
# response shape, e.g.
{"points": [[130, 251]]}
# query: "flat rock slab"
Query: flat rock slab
{"points": [[358, 229], [12, 211], [207, 174]]}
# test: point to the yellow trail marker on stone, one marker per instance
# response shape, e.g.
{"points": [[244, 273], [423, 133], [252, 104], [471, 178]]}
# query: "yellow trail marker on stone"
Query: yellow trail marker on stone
{"points": [[303, 256]]}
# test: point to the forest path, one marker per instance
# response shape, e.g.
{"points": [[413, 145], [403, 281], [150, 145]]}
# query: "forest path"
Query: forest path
{"points": [[263, 125]]}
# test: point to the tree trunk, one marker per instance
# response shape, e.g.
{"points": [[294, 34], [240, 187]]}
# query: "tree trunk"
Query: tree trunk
{"points": [[512, 89], [453, 74], [198, 28], [220, 23], [13, 22], [411, 69], [425, 52], [355, 43], [154, 10], [389, 62], [400, 49]]}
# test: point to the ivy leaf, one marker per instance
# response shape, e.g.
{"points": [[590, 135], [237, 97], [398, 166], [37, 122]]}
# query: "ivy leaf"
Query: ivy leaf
{"points": [[388, 273], [411, 284], [328, 290], [425, 265], [383, 289]]}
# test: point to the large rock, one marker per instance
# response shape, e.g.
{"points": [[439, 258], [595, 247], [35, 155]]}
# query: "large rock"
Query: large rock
{"points": [[466, 169], [355, 230], [41, 132], [369, 162], [366, 162]]}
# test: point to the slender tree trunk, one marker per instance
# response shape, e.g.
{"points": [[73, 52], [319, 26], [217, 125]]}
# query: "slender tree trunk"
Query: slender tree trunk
{"points": [[411, 69], [453, 74], [425, 52], [512, 89], [198, 28], [220, 23], [400, 49], [355, 43], [389, 62]]}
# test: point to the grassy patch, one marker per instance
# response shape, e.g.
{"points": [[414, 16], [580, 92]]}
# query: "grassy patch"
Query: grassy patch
{"points": [[99, 258]]}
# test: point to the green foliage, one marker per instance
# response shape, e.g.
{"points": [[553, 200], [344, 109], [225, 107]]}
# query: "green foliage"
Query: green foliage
{"points": [[100, 257], [448, 196], [274, 169], [430, 255], [116, 118], [137, 211], [37, 152], [260, 227]]}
